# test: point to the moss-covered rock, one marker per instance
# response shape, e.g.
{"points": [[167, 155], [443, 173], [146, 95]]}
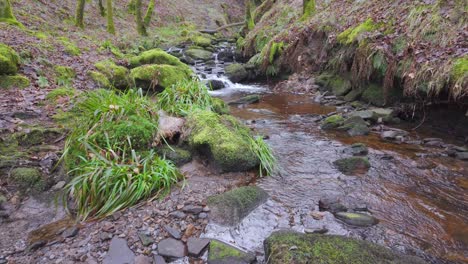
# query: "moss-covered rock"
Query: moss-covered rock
{"points": [[69, 47], [15, 81], [352, 165], [374, 94], [201, 41], [219, 106], [178, 155], [236, 72], [352, 34], [36, 136], [117, 75], [60, 92], [355, 126], [26, 178], [357, 219], [315, 249], [231, 207], [222, 138], [332, 122], [155, 56], [199, 54], [158, 77], [222, 253], [249, 99], [338, 85], [100, 79], [357, 149], [353, 95], [9, 60]]}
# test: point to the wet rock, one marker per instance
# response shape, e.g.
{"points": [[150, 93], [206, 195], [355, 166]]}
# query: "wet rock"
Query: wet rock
{"points": [[196, 246], [226, 56], [331, 204], [433, 142], [357, 219], [365, 114], [249, 99], [199, 54], [357, 149], [231, 207], [353, 165], [119, 252], [159, 260], [355, 126], [393, 134], [173, 232], [171, 248], [59, 185], [222, 253], [316, 248], [338, 85], [215, 84], [145, 239], [70, 232], [141, 259], [192, 209], [332, 122], [462, 155], [316, 231], [178, 155], [236, 72]]}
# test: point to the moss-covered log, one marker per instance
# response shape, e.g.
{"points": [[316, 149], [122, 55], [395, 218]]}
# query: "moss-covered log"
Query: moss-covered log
{"points": [[6, 13], [149, 12], [79, 17], [308, 8], [139, 20], [110, 17]]}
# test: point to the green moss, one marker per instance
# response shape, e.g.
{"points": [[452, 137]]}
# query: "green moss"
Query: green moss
{"points": [[332, 122], [219, 250], [249, 15], [15, 81], [100, 79], [352, 165], [351, 34], [37, 135], [374, 94], [236, 72], [223, 138], [314, 248], [178, 155], [158, 77], [60, 92], [117, 75], [201, 41], [338, 85], [26, 178], [65, 75], [199, 54], [308, 9], [6, 14], [275, 50], [155, 56], [219, 106], [9, 60], [460, 68], [69, 47]]}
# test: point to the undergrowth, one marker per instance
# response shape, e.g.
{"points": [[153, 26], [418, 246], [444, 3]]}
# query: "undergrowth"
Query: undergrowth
{"points": [[268, 162]]}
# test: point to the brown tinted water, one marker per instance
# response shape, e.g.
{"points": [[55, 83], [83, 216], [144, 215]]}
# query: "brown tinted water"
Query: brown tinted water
{"points": [[421, 202]]}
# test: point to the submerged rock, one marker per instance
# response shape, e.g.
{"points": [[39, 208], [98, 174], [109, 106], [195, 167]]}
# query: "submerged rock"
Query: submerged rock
{"points": [[119, 252], [357, 219], [222, 253], [236, 72], [355, 126], [353, 165], [292, 247], [357, 149], [393, 134], [249, 99], [231, 207]]}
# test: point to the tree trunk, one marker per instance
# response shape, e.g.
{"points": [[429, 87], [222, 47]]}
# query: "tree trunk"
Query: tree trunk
{"points": [[102, 10], [110, 17], [149, 12], [139, 20], [249, 16], [308, 8], [80, 13]]}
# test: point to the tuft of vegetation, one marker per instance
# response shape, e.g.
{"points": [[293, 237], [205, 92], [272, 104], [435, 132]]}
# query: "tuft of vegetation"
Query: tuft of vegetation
{"points": [[69, 47], [268, 161], [351, 34], [60, 92]]}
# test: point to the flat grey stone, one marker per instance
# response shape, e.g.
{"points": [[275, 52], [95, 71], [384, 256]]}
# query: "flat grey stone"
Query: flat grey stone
{"points": [[142, 259], [159, 260], [145, 239], [196, 246], [119, 252], [173, 232], [192, 209], [171, 248]]}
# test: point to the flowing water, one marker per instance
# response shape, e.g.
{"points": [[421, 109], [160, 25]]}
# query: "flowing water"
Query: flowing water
{"points": [[421, 201]]}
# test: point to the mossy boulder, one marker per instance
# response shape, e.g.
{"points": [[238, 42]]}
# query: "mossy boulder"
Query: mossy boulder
{"points": [[14, 81], [117, 75], [222, 138], [222, 253], [231, 207], [219, 106], [332, 122], [60, 92], [316, 248], [236, 72], [199, 54], [27, 178], [353, 95], [201, 41], [158, 77], [9, 60], [375, 95], [177, 155], [100, 79], [155, 56], [352, 165], [355, 126], [338, 85]]}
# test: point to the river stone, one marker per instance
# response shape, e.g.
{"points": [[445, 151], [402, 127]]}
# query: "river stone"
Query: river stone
{"points": [[357, 219], [173, 232], [119, 252], [199, 54], [231, 207], [236, 72], [355, 126], [159, 260], [462, 155], [317, 248], [332, 122], [215, 84], [196, 246], [357, 149], [142, 259], [331, 204], [365, 114], [222, 253], [352, 165], [393, 134], [249, 99], [171, 248]]}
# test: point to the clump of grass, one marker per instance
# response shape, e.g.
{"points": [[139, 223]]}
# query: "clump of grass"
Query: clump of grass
{"points": [[185, 97], [268, 161], [107, 182]]}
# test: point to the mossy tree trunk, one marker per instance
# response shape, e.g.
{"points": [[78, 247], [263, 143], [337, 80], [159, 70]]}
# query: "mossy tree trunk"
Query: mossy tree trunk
{"points": [[79, 21], [249, 15], [110, 17], [102, 10], [139, 20], [308, 8], [6, 13], [149, 12]]}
